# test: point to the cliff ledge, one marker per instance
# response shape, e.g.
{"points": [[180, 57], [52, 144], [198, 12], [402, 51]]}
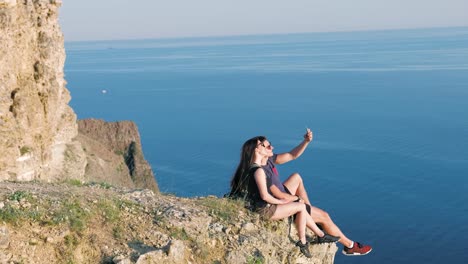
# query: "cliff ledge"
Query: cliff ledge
{"points": [[97, 223]]}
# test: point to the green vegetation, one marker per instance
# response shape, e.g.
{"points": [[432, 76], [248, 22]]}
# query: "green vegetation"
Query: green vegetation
{"points": [[109, 210], [71, 241], [79, 183], [103, 185], [20, 195], [118, 232], [255, 260], [119, 152], [131, 205], [74, 182], [179, 233], [227, 210], [18, 208], [15, 215], [72, 213], [222, 208], [24, 150], [22, 206], [121, 167]]}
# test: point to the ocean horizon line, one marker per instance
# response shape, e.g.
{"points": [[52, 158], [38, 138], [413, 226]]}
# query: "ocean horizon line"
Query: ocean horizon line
{"points": [[247, 35]]}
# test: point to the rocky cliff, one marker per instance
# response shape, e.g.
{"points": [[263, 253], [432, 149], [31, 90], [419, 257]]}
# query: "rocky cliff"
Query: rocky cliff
{"points": [[114, 154], [97, 223], [39, 137], [37, 126]]}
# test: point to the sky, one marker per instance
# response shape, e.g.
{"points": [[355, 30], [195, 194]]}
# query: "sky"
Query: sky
{"points": [[144, 19]]}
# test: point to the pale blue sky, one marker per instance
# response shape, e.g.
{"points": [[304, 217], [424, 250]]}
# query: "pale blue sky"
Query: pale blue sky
{"points": [[130, 19]]}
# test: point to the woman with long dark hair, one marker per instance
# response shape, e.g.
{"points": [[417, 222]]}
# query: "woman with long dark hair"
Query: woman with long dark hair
{"points": [[251, 182]]}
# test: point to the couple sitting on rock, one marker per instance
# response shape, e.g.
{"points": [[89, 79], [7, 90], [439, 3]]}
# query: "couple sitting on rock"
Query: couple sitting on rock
{"points": [[257, 179]]}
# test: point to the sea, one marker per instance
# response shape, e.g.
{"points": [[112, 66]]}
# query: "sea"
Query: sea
{"points": [[388, 110]]}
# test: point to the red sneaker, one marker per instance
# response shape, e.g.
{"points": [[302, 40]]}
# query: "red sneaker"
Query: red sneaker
{"points": [[357, 250]]}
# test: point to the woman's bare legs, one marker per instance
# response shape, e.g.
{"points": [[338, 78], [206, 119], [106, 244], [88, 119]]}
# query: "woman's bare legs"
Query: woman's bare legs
{"points": [[296, 186], [303, 219], [312, 226], [298, 209], [322, 217]]}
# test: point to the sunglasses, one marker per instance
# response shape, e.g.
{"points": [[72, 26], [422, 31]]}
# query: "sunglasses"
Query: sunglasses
{"points": [[263, 145]]}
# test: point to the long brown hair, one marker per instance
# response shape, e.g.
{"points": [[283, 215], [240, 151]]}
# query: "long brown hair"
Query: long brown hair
{"points": [[240, 180]]}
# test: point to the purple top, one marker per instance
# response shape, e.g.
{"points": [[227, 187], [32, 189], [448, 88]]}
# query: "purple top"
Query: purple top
{"points": [[272, 172]]}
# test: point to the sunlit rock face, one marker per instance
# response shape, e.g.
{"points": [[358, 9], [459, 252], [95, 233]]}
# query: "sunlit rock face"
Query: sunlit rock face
{"points": [[37, 126], [114, 154], [39, 138]]}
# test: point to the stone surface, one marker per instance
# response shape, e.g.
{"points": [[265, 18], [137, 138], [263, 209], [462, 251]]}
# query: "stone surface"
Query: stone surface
{"points": [[4, 237], [248, 227], [37, 126], [114, 154], [150, 228], [7, 3], [38, 130], [177, 251], [121, 260], [153, 257]]}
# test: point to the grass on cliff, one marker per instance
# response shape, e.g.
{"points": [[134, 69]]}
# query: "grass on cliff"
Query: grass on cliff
{"points": [[78, 183], [17, 208], [223, 208], [228, 210], [23, 206], [255, 260], [76, 211]]}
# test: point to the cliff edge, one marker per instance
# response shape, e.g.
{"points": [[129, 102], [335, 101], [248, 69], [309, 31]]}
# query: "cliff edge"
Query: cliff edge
{"points": [[97, 223]]}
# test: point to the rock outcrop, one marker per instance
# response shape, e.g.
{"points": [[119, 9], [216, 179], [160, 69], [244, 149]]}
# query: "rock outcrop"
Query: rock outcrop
{"points": [[114, 154], [92, 223], [38, 130], [37, 126]]}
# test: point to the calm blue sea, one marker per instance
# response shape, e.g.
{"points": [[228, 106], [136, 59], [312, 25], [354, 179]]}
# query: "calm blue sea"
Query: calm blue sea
{"points": [[389, 112]]}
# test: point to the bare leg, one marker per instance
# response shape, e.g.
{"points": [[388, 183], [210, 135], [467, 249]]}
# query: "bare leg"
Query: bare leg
{"points": [[303, 218], [285, 210], [323, 218], [312, 226], [296, 186], [301, 225]]}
